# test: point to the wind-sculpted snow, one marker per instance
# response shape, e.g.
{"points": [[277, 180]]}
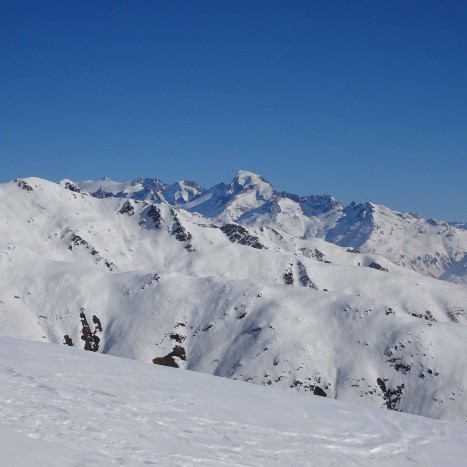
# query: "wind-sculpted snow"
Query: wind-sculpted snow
{"points": [[159, 284], [61, 407]]}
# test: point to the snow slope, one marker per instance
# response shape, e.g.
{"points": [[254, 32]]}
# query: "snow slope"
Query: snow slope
{"points": [[153, 283], [62, 407]]}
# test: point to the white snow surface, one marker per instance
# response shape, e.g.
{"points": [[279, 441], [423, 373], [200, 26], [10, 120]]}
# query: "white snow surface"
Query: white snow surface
{"points": [[430, 247], [63, 407], [110, 186], [255, 304]]}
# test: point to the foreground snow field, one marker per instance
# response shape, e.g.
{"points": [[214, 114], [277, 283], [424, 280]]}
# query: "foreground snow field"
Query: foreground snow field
{"points": [[65, 407]]}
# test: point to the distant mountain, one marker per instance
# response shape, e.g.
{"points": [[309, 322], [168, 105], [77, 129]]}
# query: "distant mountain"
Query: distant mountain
{"points": [[459, 225], [245, 192], [239, 294], [433, 248], [181, 192]]}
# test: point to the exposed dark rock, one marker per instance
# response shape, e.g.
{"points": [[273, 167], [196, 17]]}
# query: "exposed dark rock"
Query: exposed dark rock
{"points": [[91, 340], [22, 184], [180, 233], [313, 388], [288, 277], [377, 267], [381, 384], [305, 281], [127, 208], [168, 360], [68, 340], [75, 188], [177, 337], [97, 322], [454, 313], [101, 194], [296, 384], [398, 365], [76, 240], [317, 255], [110, 266], [353, 250], [238, 234], [317, 391], [392, 396], [403, 367], [154, 214], [427, 315]]}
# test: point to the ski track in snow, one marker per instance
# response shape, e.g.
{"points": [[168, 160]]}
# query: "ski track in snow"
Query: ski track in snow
{"points": [[77, 409]]}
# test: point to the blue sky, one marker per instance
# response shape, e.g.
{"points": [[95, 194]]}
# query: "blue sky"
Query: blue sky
{"points": [[363, 100]]}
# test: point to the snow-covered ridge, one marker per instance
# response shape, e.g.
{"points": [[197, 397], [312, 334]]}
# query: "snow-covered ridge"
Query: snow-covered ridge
{"points": [[433, 248], [459, 225], [144, 280], [60, 407]]}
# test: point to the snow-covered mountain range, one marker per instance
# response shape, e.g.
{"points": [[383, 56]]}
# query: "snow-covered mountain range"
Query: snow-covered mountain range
{"points": [[245, 282], [434, 248]]}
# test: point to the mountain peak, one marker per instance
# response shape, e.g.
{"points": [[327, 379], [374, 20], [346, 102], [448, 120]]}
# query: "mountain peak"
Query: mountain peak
{"points": [[246, 178], [137, 181], [182, 192]]}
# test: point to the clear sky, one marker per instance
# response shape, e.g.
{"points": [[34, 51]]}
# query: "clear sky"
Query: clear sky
{"points": [[364, 100]]}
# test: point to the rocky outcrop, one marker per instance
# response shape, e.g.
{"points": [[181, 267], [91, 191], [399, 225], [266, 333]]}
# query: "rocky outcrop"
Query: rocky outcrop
{"points": [[238, 234], [169, 359]]}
